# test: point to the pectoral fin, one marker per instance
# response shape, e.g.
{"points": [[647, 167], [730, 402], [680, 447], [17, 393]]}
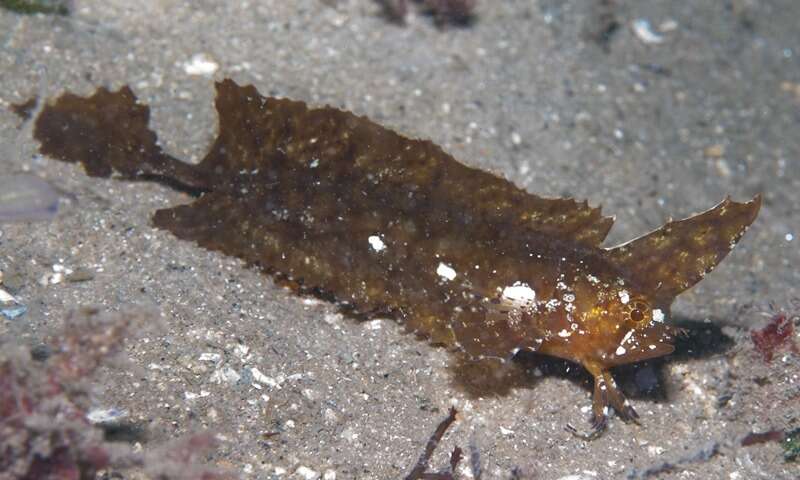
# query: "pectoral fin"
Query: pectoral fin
{"points": [[673, 258]]}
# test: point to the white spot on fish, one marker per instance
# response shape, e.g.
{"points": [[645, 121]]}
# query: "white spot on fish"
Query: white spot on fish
{"points": [[620, 350], [592, 279], [652, 347], [569, 297], [627, 337], [552, 304], [564, 333], [519, 292], [561, 286], [624, 297], [658, 315], [376, 243], [445, 271]]}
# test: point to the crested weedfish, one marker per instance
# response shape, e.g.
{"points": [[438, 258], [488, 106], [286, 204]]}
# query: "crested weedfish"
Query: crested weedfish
{"points": [[335, 205]]}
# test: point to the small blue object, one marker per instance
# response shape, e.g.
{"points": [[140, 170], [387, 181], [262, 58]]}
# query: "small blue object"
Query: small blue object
{"points": [[13, 311], [27, 198]]}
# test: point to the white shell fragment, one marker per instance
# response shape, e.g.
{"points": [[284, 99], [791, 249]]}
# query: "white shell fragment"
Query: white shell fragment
{"points": [[6, 297], [225, 375], [105, 416], [200, 64], [645, 33], [210, 357]]}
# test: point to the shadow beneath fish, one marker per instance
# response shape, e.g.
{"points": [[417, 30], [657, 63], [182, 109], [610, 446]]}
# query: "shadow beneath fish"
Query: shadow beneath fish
{"points": [[644, 380]]}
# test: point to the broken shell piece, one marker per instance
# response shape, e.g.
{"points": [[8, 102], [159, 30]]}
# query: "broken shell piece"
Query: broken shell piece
{"points": [[10, 306], [106, 416], [645, 33]]}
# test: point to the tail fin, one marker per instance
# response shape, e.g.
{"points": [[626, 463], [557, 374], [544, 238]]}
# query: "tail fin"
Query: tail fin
{"points": [[667, 261], [108, 132]]}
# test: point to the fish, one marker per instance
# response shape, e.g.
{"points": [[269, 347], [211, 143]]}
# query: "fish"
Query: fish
{"points": [[332, 204]]}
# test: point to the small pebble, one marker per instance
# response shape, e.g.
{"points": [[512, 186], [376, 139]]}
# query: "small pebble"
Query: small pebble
{"points": [[714, 151], [80, 274]]}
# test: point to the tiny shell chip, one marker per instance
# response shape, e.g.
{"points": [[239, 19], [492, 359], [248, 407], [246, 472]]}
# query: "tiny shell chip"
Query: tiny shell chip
{"points": [[13, 311], [26, 198], [106, 416]]}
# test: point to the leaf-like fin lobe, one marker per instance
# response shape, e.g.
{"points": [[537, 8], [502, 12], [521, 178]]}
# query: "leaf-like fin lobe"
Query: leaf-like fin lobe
{"points": [[108, 133], [673, 258]]}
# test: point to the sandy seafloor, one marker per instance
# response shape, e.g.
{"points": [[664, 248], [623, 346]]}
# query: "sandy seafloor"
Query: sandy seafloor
{"points": [[649, 131]]}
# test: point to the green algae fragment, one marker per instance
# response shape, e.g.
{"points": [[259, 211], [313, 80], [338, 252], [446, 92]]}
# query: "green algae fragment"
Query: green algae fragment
{"points": [[29, 7], [791, 445]]}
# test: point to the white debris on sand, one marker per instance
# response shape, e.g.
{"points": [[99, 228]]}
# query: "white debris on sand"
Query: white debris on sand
{"points": [[645, 33], [200, 64]]}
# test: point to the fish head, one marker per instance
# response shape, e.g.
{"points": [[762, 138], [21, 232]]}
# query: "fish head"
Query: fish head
{"points": [[625, 326]]}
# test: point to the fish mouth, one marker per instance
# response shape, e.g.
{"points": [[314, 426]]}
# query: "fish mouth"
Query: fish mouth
{"points": [[655, 341]]}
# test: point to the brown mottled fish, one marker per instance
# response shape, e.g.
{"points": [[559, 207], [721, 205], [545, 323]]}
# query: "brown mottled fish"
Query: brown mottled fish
{"points": [[336, 205]]}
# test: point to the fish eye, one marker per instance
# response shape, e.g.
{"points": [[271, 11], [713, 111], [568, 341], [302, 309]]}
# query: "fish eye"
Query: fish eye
{"points": [[638, 311]]}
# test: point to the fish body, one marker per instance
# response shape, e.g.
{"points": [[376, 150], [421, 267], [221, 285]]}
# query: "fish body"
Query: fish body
{"points": [[333, 204]]}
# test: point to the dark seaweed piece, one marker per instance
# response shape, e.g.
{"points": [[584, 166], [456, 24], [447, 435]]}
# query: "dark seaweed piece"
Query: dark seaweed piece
{"points": [[699, 454], [778, 333], [790, 441], [335, 205], [602, 24], [420, 470], [58, 7], [753, 438], [455, 12], [394, 10], [791, 445]]}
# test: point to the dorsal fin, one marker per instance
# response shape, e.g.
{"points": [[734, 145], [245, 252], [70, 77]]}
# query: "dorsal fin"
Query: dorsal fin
{"points": [[257, 132], [671, 259]]}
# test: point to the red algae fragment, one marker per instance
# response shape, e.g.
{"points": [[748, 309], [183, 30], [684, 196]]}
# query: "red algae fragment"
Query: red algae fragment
{"points": [[333, 204], [46, 431], [777, 334]]}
